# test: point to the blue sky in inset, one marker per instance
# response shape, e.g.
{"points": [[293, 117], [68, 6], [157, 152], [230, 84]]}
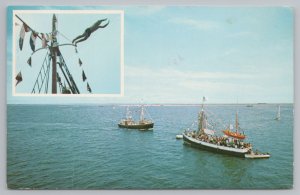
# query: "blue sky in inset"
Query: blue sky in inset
{"points": [[100, 53], [228, 54]]}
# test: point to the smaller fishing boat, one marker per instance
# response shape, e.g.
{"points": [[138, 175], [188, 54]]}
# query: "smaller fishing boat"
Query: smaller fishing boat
{"points": [[142, 124], [257, 155], [278, 114]]}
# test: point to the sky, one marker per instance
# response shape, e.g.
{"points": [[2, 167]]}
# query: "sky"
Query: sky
{"points": [[100, 53], [180, 54]]}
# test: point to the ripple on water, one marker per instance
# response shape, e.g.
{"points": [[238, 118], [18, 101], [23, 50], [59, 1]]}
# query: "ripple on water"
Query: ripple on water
{"points": [[84, 149]]}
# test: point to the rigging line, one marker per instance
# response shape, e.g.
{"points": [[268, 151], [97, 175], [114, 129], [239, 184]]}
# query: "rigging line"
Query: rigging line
{"points": [[69, 84], [218, 119], [148, 114], [39, 74], [47, 80], [64, 36], [69, 74]]}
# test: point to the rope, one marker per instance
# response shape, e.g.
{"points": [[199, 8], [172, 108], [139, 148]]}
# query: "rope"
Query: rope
{"points": [[64, 36], [77, 53], [148, 114]]}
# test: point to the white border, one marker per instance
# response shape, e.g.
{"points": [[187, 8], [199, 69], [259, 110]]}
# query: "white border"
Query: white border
{"points": [[121, 12], [3, 113]]}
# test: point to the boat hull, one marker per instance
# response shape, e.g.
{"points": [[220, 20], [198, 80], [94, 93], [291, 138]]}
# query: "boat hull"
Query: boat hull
{"points": [[137, 126], [214, 148]]}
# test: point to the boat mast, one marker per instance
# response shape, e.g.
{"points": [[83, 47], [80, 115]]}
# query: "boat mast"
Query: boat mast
{"points": [[142, 113], [53, 50], [128, 115], [236, 122], [201, 116]]}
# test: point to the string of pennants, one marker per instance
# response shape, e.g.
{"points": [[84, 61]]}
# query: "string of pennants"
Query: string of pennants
{"points": [[45, 38], [84, 78]]}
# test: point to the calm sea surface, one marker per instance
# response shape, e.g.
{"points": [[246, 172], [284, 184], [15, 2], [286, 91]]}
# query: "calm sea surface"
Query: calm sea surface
{"points": [[81, 147]]}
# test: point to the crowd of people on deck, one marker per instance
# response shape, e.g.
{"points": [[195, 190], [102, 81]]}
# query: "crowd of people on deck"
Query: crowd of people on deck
{"points": [[220, 140]]}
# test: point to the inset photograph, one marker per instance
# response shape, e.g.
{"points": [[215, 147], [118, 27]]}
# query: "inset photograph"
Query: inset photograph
{"points": [[67, 52]]}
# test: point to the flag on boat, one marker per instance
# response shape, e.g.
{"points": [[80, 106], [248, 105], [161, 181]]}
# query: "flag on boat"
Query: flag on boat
{"points": [[24, 29], [83, 76], [89, 88], [19, 78], [58, 78], [44, 40], [32, 40], [29, 61], [209, 131], [204, 99], [48, 37]]}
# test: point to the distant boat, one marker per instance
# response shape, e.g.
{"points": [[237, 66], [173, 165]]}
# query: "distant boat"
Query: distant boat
{"points": [[231, 143], [249, 105], [278, 114], [142, 124]]}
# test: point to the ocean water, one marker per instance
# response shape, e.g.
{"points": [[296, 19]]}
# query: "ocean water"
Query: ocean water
{"points": [[81, 147]]}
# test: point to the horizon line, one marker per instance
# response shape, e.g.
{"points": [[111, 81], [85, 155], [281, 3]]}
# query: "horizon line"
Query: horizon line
{"points": [[152, 104]]}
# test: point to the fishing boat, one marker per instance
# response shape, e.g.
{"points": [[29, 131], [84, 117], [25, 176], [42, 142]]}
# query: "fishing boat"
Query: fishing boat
{"points": [[278, 114], [142, 124], [231, 143]]}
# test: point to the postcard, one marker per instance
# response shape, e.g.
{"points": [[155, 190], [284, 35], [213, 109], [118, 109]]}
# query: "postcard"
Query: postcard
{"points": [[150, 97]]}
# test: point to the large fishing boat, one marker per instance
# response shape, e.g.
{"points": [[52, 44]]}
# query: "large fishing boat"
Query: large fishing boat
{"points": [[231, 143], [142, 124]]}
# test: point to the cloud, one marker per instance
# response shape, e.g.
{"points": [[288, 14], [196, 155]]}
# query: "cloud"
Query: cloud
{"points": [[197, 24], [244, 34], [164, 73], [230, 52], [143, 10], [176, 86]]}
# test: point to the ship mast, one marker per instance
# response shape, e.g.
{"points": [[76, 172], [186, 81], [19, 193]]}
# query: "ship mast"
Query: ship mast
{"points": [[142, 113], [128, 114], [236, 122], [201, 119], [53, 51]]}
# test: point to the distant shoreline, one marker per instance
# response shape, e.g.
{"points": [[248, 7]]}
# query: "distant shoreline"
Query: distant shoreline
{"points": [[154, 104]]}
